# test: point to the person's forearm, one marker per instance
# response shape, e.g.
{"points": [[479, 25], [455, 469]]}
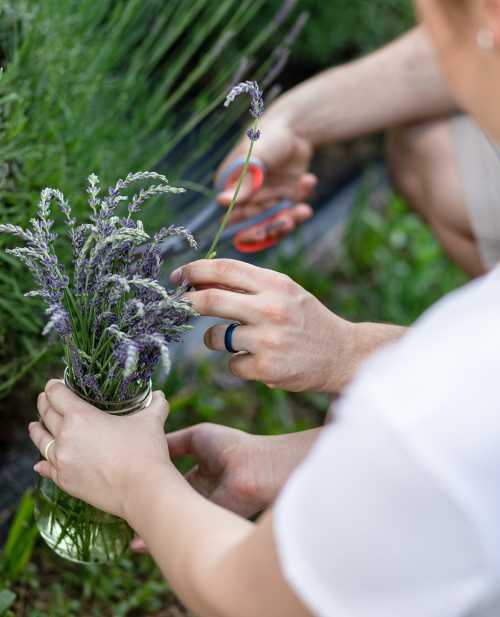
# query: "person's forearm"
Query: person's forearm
{"points": [[219, 564], [186, 534], [398, 84]]}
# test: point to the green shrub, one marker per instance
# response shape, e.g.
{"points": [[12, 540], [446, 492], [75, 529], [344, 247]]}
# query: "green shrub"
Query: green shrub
{"points": [[394, 268], [343, 28], [110, 86]]}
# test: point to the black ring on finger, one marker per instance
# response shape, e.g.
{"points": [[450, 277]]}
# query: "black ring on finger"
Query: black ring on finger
{"points": [[228, 337]]}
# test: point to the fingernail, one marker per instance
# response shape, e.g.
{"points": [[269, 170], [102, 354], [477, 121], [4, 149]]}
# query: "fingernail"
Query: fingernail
{"points": [[51, 384], [227, 195], [43, 403], [36, 467], [176, 275]]}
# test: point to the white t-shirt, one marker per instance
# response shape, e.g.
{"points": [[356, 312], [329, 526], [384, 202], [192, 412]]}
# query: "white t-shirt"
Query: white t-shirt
{"points": [[396, 511]]}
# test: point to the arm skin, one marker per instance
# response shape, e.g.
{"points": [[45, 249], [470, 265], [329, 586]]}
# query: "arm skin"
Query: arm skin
{"points": [[219, 564], [399, 84]]}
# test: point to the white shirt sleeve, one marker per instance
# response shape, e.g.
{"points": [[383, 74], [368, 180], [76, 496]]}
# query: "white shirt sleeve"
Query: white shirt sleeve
{"points": [[396, 512]]}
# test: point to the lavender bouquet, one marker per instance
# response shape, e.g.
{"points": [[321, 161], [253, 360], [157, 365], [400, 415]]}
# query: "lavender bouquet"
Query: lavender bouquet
{"points": [[115, 321]]}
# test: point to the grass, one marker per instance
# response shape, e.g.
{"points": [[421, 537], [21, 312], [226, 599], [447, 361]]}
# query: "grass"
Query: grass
{"points": [[391, 270]]}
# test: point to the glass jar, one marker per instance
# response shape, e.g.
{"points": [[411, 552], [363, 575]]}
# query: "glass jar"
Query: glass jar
{"points": [[72, 528]]}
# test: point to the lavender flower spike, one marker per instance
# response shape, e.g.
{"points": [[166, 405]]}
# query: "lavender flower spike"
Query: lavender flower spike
{"points": [[251, 88]]}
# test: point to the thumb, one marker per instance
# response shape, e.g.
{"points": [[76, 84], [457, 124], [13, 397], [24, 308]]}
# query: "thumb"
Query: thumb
{"points": [[159, 406], [226, 196], [180, 442]]}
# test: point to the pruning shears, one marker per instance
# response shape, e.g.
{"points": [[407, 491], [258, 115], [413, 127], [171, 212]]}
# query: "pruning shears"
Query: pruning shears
{"points": [[266, 221]]}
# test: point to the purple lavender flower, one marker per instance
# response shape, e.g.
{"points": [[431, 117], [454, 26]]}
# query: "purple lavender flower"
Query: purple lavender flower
{"points": [[59, 321], [253, 134], [115, 319], [251, 88]]}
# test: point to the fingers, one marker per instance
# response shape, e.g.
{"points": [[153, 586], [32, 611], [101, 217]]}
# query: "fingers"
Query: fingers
{"points": [[306, 186], [138, 545], [281, 226], [47, 470], [244, 338], [51, 419], [159, 406], [62, 400], [224, 304], [244, 366], [226, 196], [228, 273], [41, 438], [180, 442], [201, 482], [251, 203]]}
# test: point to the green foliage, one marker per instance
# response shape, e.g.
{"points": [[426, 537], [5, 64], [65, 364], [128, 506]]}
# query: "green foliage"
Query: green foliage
{"points": [[394, 268], [109, 86], [7, 599], [51, 587], [20, 541], [344, 28]]}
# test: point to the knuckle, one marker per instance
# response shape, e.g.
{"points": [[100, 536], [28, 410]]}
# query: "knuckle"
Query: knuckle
{"points": [[209, 299], [187, 272], [224, 267], [276, 311], [61, 458], [286, 284], [61, 478], [238, 369], [64, 435], [262, 365], [273, 340], [201, 432], [245, 484], [53, 386]]}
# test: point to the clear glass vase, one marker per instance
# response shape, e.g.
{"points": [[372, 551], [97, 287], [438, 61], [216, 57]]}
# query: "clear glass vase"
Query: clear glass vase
{"points": [[72, 528]]}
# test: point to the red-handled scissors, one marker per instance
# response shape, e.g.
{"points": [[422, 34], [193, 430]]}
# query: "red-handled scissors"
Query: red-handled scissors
{"points": [[267, 221]]}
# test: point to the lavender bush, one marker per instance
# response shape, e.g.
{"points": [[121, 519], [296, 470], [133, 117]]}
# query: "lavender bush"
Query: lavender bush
{"points": [[114, 318]]}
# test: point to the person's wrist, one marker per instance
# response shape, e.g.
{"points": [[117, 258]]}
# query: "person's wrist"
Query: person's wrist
{"points": [[338, 369], [142, 486], [288, 110], [283, 453]]}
